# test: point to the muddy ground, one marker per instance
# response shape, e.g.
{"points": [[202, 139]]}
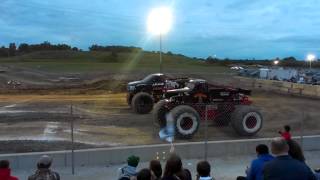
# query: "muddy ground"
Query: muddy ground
{"points": [[105, 120]]}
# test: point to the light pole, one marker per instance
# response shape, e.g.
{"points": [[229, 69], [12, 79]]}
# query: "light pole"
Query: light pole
{"points": [[159, 23], [160, 53], [310, 58]]}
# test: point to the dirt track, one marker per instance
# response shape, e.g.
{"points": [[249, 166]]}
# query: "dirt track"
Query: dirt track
{"points": [[106, 120]]}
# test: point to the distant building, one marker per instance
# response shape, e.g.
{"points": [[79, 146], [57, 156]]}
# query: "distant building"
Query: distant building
{"points": [[278, 74]]}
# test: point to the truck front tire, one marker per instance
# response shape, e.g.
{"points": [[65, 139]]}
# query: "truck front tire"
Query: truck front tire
{"points": [[142, 103]]}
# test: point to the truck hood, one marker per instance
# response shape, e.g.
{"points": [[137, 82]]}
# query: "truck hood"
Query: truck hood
{"points": [[133, 83]]}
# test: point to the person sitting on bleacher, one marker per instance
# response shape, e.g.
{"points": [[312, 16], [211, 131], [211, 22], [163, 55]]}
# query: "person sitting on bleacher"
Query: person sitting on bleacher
{"points": [[203, 171], [144, 174], [156, 169], [174, 170], [5, 171], [254, 172], [283, 166], [129, 171], [44, 172]]}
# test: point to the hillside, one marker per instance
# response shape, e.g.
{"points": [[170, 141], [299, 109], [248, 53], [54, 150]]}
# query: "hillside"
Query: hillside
{"points": [[85, 61], [84, 70]]}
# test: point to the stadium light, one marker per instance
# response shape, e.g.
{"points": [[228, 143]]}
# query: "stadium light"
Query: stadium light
{"points": [[310, 58], [159, 23]]}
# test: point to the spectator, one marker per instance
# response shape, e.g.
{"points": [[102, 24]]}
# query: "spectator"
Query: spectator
{"points": [[44, 172], [5, 171], [254, 172], [283, 166], [156, 169], [286, 133], [295, 150], [144, 174], [203, 171], [129, 171], [174, 170], [187, 174]]}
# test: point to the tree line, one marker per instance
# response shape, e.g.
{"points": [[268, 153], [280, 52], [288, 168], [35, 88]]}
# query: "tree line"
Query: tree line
{"points": [[24, 48], [96, 47]]}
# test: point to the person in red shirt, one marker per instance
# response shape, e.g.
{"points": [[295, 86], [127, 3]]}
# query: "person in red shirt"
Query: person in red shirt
{"points": [[5, 171], [286, 133]]}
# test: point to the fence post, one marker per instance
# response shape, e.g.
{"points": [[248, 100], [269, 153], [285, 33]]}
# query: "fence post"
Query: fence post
{"points": [[72, 139], [206, 134]]}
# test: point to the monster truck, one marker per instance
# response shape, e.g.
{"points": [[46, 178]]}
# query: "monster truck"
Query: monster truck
{"points": [[144, 93], [224, 105]]}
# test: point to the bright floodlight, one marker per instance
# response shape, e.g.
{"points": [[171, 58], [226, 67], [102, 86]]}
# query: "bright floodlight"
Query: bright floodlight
{"points": [[311, 57], [160, 20], [276, 62]]}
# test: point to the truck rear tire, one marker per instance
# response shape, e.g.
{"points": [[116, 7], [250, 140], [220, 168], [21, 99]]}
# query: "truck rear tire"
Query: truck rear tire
{"points": [[159, 113], [186, 120], [246, 120], [142, 103]]}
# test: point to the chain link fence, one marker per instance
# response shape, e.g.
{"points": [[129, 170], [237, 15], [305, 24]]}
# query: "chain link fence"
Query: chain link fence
{"points": [[40, 125]]}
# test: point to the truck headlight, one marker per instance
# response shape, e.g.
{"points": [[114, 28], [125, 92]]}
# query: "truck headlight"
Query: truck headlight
{"points": [[131, 88]]}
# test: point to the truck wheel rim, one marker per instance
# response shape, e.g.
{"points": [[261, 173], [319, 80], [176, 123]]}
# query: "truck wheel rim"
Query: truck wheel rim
{"points": [[144, 102], [186, 123], [252, 122]]}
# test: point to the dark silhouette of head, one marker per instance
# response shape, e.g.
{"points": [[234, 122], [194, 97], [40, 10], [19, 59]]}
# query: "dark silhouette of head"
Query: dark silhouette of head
{"points": [[262, 149], [144, 174], [279, 146], [295, 150], [287, 128], [44, 162], [4, 164], [203, 169], [173, 165], [133, 161], [155, 167]]}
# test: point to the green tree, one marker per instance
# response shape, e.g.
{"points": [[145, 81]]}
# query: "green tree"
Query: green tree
{"points": [[23, 48], [12, 49]]}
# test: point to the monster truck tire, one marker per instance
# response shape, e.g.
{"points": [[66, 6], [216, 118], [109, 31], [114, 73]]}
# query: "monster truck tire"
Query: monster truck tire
{"points": [[159, 113], [186, 121], [246, 120], [142, 103]]}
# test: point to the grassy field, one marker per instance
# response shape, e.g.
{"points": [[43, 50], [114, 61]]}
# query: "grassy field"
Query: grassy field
{"points": [[82, 62]]}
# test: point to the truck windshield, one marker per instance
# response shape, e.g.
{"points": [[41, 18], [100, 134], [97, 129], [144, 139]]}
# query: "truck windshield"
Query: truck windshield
{"points": [[148, 78]]}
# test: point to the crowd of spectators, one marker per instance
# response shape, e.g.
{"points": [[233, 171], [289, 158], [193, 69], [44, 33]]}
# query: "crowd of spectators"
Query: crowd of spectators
{"points": [[43, 171], [285, 162]]}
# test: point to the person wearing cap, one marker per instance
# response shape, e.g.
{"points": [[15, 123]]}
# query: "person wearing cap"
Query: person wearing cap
{"points": [[44, 172], [129, 171], [5, 171]]}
